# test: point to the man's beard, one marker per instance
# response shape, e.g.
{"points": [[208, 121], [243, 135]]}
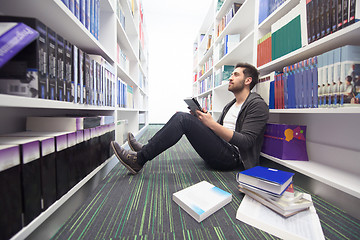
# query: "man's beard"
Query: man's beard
{"points": [[236, 89]]}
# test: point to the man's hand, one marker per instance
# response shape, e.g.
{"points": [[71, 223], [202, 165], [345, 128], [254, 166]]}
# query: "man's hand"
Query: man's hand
{"points": [[205, 117], [218, 129]]}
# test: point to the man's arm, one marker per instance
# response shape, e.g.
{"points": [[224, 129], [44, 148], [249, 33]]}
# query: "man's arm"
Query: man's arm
{"points": [[217, 128]]}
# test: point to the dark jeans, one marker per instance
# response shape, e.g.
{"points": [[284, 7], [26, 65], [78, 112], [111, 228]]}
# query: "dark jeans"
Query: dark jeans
{"points": [[214, 150]]}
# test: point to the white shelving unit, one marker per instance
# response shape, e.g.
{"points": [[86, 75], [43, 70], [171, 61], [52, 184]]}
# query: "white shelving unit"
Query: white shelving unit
{"points": [[332, 133], [56, 15]]}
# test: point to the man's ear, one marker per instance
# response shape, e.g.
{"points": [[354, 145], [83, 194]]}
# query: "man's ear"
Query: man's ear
{"points": [[248, 80]]}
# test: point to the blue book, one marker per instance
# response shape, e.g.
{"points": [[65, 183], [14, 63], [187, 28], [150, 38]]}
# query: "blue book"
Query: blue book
{"points": [[82, 12], [268, 179], [77, 9], [291, 87], [315, 89], [272, 95], [72, 6], [87, 14]]}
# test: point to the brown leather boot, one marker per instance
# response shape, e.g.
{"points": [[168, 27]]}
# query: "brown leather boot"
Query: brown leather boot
{"points": [[127, 157], [134, 145]]}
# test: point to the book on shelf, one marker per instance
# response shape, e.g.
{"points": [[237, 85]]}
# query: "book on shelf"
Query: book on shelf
{"points": [[68, 90], [60, 71], [26, 73], [201, 199], [51, 63], [263, 86], [11, 217], [268, 179], [289, 32], [61, 124], [303, 225], [14, 37], [30, 173], [354, 11]]}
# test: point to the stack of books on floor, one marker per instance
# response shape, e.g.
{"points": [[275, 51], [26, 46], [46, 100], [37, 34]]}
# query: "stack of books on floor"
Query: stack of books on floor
{"points": [[274, 189]]}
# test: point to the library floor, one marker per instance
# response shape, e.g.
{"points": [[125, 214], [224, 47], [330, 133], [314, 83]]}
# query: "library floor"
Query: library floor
{"points": [[125, 206]]}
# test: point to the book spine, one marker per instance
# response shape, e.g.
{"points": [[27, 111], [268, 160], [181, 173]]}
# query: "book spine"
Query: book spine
{"points": [[68, 95], [345, 13], [334, 15], [80, 87], [86, 80], [60, 83], [340, 14], [42, 53], [75, 73], [309, 4], [82, 12], [52, 64], [354, 11]]}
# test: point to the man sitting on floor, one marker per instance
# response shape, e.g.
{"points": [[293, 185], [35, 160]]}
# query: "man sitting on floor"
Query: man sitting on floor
{"points": [[234, 141]]}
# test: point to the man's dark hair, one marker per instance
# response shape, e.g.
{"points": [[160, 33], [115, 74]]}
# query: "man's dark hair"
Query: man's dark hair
{"points": [[250, 71]]}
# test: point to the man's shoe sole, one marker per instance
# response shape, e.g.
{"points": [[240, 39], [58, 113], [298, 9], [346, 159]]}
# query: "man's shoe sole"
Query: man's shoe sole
{"points": [[123, 163]]}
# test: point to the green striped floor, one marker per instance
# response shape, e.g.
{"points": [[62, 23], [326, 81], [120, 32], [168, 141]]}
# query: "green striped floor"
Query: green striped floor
{"points": [[140, 206]]}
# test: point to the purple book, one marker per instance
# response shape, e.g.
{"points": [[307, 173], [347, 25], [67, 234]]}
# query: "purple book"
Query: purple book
{"points": [[13, 38]]}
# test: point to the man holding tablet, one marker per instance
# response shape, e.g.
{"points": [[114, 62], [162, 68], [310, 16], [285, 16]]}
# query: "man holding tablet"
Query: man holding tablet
{"points": [[232, 142]]}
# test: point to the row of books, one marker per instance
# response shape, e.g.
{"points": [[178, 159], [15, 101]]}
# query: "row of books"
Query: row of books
{"points": [[122, 59], [288, 33], [88, 13], [120, 14], [325, 17], [264, 50], [219, 4], [228, 16], [206, 67], [206, 84], [223, 74], [206, 102], [331, 79], [125, 98], [209, 40], [44, 162], [266, 7], [52, 68], [227, 44], [274, 189]]}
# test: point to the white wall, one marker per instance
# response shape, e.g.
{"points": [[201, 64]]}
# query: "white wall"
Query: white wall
{"points": [[172, 27]]}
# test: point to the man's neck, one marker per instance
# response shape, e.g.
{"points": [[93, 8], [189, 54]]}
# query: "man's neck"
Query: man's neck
{"points": [[241, 96]]}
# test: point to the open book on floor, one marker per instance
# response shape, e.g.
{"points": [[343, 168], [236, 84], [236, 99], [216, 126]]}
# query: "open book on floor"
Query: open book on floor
{"points": [[201, 199], [304, 225]]}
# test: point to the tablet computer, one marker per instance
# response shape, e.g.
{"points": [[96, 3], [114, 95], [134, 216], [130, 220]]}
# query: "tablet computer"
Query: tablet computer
{"points": [[193, 104]]}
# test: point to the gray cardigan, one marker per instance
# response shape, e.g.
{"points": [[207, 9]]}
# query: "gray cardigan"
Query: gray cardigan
{"points": [[249, 129]]}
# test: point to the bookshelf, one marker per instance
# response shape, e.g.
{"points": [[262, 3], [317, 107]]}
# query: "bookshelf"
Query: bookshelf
{"points": [[113, 34], [332, 143]]}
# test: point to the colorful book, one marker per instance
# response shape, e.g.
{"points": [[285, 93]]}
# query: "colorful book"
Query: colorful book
{"points": [[202, 199]]}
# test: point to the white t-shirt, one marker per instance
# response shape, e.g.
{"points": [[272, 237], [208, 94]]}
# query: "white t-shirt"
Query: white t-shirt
{"points": [[231, 116]]}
